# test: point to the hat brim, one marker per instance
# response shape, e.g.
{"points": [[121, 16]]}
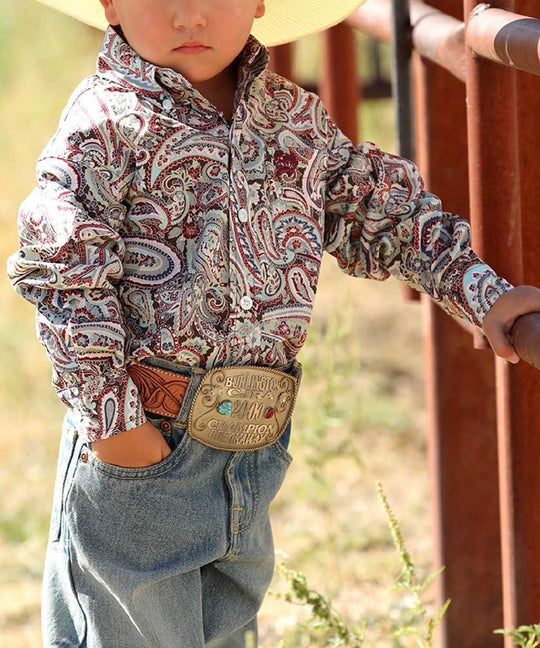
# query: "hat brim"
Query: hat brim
{"points": [[284, 20]]}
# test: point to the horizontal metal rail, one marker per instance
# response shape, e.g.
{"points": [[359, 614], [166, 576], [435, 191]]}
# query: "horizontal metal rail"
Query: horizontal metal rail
{"points": [[505, 37], [495, 34]]}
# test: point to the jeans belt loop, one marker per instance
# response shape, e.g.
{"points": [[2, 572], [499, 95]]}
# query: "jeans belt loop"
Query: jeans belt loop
{"points": [[193, 385]]}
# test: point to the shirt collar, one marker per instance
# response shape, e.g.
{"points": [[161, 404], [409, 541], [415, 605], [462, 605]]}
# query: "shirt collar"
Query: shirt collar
{"points": [[118, 60]]}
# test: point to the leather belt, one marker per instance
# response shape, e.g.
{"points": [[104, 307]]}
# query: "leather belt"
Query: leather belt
{"points": [[232, 408]]}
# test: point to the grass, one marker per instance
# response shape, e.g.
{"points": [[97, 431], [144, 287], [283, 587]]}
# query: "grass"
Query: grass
{"points": [[360, 417]]}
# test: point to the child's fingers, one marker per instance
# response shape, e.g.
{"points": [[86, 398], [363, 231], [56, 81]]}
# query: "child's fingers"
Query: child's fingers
{"points": [[502, 346], [496, 332], [502, 315]]}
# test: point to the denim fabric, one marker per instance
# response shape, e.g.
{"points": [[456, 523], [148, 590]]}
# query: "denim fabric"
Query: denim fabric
{"points": [[177, 555]]}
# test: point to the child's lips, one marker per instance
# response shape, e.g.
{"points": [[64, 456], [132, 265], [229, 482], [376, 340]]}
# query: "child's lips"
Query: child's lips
{"points": [[191, 47]]}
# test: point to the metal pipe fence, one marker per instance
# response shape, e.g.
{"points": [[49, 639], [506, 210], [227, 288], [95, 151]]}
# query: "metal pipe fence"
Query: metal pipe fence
{"points": [[475, 69]]}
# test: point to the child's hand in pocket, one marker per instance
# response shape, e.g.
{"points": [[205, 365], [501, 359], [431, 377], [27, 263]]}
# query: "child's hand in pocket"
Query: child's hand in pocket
{"points": [[136, 448]]}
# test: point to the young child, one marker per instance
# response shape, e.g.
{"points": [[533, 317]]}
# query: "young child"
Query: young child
{"points": [[172, 249]]}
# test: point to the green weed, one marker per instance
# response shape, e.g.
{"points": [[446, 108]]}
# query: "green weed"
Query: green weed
{"points": [[409, 621], [525, 636], [417, 621], [325, 625]]}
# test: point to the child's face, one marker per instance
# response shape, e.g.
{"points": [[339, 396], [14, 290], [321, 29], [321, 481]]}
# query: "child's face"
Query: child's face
{"points": [[198, 38]]}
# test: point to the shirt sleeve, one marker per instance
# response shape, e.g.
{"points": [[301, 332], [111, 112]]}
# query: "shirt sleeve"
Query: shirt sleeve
{"points": [[69, 264], [379, 221]]}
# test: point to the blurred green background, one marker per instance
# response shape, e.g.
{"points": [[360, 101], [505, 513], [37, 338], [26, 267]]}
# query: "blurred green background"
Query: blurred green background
{"points": [[360, 412]]}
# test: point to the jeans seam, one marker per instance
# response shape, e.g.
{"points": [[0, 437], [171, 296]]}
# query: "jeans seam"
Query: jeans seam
{"points": [[282, 453], [246, 523], [64, 492], [68, 546]]}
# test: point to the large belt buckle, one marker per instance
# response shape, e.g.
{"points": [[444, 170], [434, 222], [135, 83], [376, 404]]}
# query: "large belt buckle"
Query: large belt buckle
{"points": [[242, 408]]}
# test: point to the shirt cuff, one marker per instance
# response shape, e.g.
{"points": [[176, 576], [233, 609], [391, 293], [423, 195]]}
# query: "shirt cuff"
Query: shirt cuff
{"points": [[474, 290], [104, 407]]}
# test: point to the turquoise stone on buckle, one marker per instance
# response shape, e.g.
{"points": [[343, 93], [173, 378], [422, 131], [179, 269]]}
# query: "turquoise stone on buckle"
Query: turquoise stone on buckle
{"points": [[225, 408]]}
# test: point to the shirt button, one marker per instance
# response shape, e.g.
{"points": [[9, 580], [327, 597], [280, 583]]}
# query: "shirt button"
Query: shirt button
{"points": [[167, 104], [243, 216], [246, 302]]}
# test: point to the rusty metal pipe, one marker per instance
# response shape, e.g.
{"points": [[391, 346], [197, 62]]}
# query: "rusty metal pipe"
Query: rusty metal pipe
{"points": [[525, 336], [505, 37], [338, 83], [374, 18], [496, 34], [461, 412], [439, 38], [435, 35]]}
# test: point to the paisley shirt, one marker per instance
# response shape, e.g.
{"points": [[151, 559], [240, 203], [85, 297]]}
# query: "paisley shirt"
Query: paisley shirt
{"points": [[157, 228]]}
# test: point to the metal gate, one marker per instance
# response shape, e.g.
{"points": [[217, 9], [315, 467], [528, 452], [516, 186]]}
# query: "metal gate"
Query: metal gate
{"points": [[475, 74]]}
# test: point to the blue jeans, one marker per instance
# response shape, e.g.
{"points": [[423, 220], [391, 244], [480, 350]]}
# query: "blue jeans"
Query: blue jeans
{"points": [[177, 555]]}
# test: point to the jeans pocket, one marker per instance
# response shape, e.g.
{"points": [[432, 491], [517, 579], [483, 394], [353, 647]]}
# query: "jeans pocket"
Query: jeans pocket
{"points": [[134, 520], [178, 440]]}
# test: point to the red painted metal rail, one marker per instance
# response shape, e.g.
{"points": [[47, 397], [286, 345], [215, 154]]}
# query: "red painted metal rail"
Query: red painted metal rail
{"points": [[476, 71]]}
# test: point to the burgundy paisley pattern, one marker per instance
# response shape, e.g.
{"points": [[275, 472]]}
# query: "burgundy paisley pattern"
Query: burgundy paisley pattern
{"points": [[159, 229]]}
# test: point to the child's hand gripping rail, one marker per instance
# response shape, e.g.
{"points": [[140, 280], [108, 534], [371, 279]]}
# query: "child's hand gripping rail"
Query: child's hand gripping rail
{"points": [[525, 337]]}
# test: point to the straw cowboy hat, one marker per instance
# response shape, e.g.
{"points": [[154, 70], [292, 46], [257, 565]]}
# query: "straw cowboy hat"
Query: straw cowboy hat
{"points": [[283, 22]]}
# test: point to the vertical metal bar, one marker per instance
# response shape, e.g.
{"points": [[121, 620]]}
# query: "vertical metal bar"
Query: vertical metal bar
{"points": [[505, 183], [401, 77], [462, 439], [528, 87], [463, 465], [495, 214], [518, 415], [339, 85], [494, 159], [281, 60], [518, 395], [402, 90]]}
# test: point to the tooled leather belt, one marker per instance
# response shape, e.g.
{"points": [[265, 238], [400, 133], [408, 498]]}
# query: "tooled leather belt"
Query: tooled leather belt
{"points": [[229, 408]]}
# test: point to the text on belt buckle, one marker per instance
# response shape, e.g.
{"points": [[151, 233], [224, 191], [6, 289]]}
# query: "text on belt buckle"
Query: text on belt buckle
{"points": [[242, 408]]}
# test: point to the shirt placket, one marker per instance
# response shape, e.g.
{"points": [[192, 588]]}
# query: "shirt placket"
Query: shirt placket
{"points": [[243, 337]]}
